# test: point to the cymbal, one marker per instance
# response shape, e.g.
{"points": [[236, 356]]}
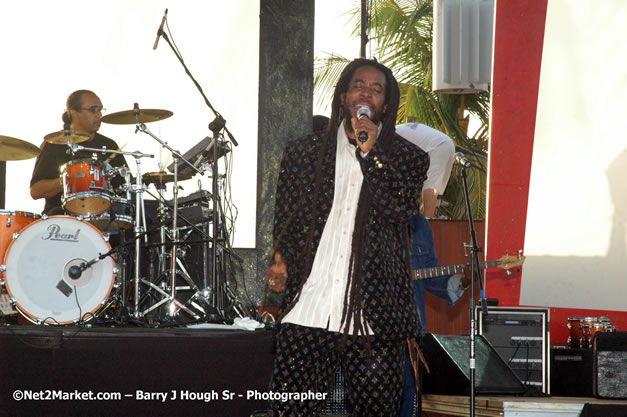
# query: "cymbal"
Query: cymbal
{"points": [[12, 149], [162, 177], [127, 117], [60, 137]]}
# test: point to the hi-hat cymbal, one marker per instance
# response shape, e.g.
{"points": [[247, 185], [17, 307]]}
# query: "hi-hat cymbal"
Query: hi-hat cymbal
{"points": [[127, 117], [12, 149], [162, 177], [60, 137]]}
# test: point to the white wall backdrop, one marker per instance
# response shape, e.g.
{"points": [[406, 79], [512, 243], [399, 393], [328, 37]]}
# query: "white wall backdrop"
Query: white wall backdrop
{"points": [[575, 237], [51, 48]]}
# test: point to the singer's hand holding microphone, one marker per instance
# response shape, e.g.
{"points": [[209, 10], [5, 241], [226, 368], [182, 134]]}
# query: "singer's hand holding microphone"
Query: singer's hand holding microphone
{"points": [[364, 128]]}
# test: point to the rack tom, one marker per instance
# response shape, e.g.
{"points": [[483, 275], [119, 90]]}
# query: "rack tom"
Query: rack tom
{"points": [[86, 187]]}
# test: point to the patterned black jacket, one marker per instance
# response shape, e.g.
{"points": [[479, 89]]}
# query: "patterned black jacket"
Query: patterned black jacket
{"points": [[389, 304]]}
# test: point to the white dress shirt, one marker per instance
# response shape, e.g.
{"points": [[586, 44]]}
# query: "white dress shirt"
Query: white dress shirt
{"points": [[440, 148], [321, 301]]}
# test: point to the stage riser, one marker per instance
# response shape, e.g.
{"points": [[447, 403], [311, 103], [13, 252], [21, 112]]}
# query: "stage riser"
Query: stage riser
{"points": [[199, 364]]}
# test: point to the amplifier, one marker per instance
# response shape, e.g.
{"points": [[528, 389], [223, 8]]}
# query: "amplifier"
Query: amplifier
{"points": [[571, 372], [610, 364]]}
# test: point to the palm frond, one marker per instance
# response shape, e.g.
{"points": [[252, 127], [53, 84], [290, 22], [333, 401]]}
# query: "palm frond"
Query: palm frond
{"points": [[402, 31], [327, 71]]}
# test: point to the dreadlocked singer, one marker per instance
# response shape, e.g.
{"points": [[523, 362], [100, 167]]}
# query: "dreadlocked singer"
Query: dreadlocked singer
{"points": [[339, 257]]}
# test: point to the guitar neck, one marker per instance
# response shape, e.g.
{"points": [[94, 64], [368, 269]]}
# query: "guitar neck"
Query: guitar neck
{"points": [[439, 271]]}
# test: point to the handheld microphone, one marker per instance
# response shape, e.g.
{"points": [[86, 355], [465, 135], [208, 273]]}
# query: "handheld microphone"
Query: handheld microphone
{"points": [[461, 159], [361, 112], [160, 31]]}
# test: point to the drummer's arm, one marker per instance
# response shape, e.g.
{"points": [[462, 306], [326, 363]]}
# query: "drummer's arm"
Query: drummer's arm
{"points": [[46, 188]]}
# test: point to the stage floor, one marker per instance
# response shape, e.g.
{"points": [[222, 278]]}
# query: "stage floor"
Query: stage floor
{"points": [[71, 371], [502, 406]]}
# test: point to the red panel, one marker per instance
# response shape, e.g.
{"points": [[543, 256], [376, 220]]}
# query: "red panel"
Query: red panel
{"points": [[519, 35], [518, 40]]}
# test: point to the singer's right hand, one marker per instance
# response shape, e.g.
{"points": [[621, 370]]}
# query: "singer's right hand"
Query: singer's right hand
{"points": [[364, 125], [276, 274]]}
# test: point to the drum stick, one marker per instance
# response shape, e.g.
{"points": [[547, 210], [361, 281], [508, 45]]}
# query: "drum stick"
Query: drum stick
{"points": [[113, 155]]}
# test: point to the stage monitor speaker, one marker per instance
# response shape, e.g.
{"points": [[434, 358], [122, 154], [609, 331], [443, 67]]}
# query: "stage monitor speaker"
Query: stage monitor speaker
{"points": [[448, 360], [610, 364]]}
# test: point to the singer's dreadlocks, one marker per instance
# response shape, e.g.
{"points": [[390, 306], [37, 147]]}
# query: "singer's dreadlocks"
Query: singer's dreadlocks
{"points": [[352, 298]]}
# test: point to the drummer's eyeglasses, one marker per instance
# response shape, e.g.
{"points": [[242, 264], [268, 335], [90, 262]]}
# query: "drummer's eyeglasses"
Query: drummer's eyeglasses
{"points": [[94, 109]]}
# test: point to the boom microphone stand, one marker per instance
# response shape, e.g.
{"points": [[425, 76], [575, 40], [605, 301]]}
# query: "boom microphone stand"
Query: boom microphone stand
{"points": [[215, 126], [474, 266], [180, 58]]}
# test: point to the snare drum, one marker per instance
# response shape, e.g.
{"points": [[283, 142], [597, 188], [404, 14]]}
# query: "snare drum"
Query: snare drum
{"points": [[12, 222], [119, 217], [37, 275], [86, 187]]}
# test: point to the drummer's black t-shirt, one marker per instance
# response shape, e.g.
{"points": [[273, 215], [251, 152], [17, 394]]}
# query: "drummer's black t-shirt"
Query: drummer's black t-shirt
{"points": [[53, 157]]}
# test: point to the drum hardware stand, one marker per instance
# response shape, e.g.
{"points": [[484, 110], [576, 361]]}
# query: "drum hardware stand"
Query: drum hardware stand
{"points": [[170, 297], [140, 213], [162, 270], [122, 260], [76, 271]]}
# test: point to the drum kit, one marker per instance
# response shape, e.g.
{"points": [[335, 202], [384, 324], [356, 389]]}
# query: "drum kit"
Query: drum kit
{"points": [[70, 269], [583, 329]]}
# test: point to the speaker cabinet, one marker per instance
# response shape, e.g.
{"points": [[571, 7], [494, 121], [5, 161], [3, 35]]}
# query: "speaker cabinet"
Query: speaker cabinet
{"points": [[448, 360], [520, 335], [571, 372], [610, 365]]}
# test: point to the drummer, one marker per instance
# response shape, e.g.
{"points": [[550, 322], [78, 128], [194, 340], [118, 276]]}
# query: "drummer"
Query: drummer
{"points": [[83, 112]]}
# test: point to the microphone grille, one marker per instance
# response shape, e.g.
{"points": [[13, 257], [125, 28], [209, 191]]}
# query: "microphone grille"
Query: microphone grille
{"points": [[364, 111]]}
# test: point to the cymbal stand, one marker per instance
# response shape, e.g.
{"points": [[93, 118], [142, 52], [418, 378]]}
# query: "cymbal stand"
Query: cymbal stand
{"points": [[175, 238]]}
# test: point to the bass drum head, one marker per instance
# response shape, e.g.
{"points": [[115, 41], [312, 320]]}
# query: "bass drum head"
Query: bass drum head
{"points": [[37, 270]]}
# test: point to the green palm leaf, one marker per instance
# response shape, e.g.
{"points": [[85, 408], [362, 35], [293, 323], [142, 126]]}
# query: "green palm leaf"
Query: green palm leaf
{"points": [[402, 31]]}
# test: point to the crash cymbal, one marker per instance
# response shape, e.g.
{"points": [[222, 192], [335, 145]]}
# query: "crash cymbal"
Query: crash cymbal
{"points": [[162, 177], [60, 137], [127, 117], [12, 149]]}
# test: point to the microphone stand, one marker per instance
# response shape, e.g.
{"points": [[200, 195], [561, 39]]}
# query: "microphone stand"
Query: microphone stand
{"points": [[217, 295], [215, 126], [474, 266], [180, 58]]}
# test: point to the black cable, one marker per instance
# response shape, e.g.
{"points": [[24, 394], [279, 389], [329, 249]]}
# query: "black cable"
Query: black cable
{"points": [[509, 362], [528, 375], [80, 311]]}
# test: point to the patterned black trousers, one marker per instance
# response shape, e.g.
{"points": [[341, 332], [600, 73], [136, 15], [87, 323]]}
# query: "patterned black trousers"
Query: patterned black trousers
{"points": [[307, 359]]}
